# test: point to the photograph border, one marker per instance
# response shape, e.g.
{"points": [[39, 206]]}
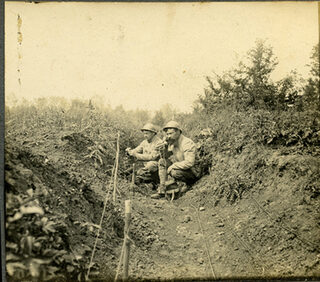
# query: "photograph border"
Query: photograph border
{"points": [[2, 111]]}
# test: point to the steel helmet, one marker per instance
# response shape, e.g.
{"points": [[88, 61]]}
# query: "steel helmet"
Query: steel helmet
{"points": [[172, 124], [149, 127], [206, 132]]}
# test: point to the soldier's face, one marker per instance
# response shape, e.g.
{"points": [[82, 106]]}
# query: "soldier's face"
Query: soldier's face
{"points": [[172, 134], [148, 135]]}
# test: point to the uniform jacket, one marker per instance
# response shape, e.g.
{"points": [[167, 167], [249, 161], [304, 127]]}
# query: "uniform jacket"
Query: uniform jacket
{"points": [[183, 153], [147, 152]]}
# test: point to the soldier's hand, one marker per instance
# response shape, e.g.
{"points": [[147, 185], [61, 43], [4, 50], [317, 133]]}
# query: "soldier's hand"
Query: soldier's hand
{"points": [[170, 168], [133, 154], [161, 146], [129, 151]]}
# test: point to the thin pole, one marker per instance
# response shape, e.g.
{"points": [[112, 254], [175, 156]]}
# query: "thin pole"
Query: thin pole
{"points": [[133, 180], [120, 263], [106, 200], [126, 240], [115, 180]]}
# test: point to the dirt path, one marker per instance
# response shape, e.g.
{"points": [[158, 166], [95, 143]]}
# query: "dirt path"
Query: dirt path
{"points": [[186, 236], [240, 239], [178, 252]]}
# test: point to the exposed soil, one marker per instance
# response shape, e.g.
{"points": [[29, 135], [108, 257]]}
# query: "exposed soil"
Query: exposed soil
{"points": [[263, 235], [272, 231]]}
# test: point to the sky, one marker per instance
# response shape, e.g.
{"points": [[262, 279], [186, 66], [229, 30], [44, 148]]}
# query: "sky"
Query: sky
{"points": [[145, 55]]}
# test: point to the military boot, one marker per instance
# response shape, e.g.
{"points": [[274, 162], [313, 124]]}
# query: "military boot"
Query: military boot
{"points": [[160, 193]]}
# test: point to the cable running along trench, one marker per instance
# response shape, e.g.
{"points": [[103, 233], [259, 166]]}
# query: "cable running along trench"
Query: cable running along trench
{"points": [[126, 236], [206, 243], [245, 245], [113, 177], [284, 227], [98, 232]]}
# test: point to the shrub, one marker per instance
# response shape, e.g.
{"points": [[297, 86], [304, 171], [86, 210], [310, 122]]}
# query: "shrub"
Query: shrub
{"points": [[35, 246]]}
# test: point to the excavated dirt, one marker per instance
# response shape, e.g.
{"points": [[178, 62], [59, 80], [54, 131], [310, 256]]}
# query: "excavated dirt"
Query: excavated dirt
{"points": [[272, 231]]}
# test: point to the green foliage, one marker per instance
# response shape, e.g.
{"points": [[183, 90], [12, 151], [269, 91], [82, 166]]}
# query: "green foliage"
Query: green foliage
{"points": [[231, 174], [92, 125], [234, 146], [311, 98], [35, 248], [232, 132], [258, 86], [246, 112], [314, 65], [289, 92], [38, 247], [249, 85]]}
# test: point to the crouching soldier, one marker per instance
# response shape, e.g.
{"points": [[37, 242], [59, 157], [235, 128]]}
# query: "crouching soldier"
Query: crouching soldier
{"points": [[177, 159], [148, 154]]}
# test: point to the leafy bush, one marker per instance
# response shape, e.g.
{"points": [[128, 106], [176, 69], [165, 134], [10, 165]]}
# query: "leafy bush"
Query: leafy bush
{"points": [[249, 85], [35, 245], [96, 126], [311, 97], [234, 146]]}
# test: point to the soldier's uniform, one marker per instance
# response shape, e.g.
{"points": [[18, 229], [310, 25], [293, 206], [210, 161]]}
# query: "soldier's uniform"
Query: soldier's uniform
{"points": [[147, 152], [180, 156], [182, 160]]}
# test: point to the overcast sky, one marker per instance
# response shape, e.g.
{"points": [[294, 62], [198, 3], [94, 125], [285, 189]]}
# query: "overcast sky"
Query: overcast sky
{"points": [[145, 54]]}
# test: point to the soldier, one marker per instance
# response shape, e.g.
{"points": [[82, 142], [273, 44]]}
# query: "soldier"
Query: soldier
{"points": [[177, 160], [147, 153]]}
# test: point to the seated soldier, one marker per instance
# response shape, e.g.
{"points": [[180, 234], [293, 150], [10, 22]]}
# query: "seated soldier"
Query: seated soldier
{"points": [[147, 153], [177, 160]]}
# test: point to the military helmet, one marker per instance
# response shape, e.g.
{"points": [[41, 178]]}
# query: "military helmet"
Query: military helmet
{"points": [[149, 127], [172, 124], [207, 132]]}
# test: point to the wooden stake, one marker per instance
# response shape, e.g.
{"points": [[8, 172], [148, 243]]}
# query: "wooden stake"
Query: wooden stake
{"points": [[115, 179], [133, 180], [126, 239]]}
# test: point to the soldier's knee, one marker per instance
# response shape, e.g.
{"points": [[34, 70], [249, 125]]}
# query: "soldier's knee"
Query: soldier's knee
{"points": [[141, 171], [176, 173]]}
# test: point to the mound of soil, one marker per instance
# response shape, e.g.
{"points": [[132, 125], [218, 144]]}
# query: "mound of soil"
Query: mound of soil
{"points": [[71, 190], [269, 230], [272, 231]]}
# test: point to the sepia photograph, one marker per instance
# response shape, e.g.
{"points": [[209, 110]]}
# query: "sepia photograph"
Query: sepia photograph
{"points": [[153, 141]]}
